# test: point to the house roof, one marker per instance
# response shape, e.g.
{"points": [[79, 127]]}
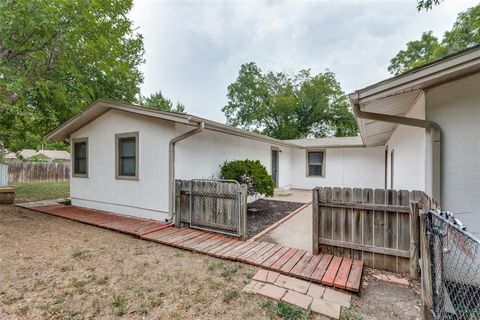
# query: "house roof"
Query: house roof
{"points": [[333, 142], [397, 95], [47, 154], [99, 107]]}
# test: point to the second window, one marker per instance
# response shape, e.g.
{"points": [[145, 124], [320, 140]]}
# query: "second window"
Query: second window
{"points": [[126, 156], [316, 163]]}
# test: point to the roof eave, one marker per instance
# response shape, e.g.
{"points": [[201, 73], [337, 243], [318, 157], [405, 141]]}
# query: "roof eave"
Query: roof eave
{"points": [[463, 60], [334, 146], [64, 131]]}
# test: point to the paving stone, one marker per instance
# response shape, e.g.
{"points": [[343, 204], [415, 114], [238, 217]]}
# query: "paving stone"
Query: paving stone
{"points": [[272, 276], [392, 279], [337, 297], [326, 308], [261, 275], [292, 283], [253, 286], [271, 291], [298, 299], [316, 291]]}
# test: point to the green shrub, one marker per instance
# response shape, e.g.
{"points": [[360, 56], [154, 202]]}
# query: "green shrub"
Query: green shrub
{"points": [[249, 172]]}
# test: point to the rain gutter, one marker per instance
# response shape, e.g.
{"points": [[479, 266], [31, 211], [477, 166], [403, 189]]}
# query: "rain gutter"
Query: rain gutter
{"points": [[434, 132], [171, 164]]}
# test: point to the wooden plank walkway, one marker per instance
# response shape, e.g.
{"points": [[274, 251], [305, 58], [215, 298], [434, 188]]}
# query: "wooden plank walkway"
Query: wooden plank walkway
{"points": [[343, 273]]}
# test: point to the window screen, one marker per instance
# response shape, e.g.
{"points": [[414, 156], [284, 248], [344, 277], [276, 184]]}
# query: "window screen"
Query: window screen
{"points": [[80, 158], [127, 152], [315, 163]]}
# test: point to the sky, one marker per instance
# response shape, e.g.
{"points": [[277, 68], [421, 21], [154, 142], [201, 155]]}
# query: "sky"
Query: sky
{"points": [[194, 49]]}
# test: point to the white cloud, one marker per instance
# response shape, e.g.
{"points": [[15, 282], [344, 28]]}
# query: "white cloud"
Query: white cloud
{"points": [[195, 49]]}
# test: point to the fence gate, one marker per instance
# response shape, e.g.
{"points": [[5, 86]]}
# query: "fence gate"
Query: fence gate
{"points": [[216, 205]]}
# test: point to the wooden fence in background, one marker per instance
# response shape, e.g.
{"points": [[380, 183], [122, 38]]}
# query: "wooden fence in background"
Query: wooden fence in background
{"points": [[377, 226], [19, 171]]}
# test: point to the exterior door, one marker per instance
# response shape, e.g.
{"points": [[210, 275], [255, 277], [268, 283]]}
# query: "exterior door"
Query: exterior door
{"points": [[275, 167]]}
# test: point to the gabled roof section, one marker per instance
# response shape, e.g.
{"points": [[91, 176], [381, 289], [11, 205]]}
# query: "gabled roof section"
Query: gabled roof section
{"points": [[99, 107], [332, 142], [397, 95]]}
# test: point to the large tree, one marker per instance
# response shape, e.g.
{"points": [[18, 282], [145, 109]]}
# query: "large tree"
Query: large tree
{"points": [[158, 101], [286, 106], [58, 56], [465, 33]]}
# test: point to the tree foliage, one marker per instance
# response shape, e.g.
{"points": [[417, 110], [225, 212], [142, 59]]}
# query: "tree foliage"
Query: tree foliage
{"points": [[427, 4], [464, 34], [159, 101], [286, 106], [58, 56], [249, 172]]}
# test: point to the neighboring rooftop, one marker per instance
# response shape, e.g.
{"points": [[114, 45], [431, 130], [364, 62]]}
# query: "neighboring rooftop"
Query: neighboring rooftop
{"points": [[331, 142], [44, 154]]}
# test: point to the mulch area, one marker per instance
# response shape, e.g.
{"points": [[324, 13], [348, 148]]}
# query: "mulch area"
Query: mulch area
{"points": [[263, 213]]}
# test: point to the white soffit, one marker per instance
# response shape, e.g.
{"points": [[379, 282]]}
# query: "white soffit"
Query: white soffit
{"points": [[377, 132], [397, 95]]}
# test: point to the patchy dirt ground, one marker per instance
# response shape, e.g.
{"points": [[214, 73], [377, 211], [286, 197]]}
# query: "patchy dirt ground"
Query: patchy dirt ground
{"points": [[52, 268], [380, 300], [263, 213]]}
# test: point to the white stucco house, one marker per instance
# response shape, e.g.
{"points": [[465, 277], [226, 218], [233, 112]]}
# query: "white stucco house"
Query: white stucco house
{"points": [[419, 130], [124, 157]]}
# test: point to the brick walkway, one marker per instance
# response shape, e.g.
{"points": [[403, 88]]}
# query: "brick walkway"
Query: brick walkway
{"points": [[303, 294], [343, 273]]}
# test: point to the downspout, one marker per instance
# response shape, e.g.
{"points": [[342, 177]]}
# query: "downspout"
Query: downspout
{"points": [[171, 165], [434, 131]]}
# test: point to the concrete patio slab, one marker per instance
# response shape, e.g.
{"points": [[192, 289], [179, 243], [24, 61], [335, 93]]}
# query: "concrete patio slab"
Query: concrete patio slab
{"points": [[294, 195], [295, 232]]}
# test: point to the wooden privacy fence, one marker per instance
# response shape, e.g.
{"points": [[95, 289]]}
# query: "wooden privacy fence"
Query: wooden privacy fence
{"points": [[19, 171], [214, 205], [377, 226]]}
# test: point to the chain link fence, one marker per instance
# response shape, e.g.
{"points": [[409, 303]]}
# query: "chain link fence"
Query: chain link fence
{"points": [[218, 206], [455, 268]]}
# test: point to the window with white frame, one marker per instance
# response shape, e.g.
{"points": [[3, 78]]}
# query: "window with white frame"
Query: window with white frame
{"points": [[316, 163]]}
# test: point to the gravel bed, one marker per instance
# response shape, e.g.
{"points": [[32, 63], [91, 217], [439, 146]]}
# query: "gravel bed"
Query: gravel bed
{"points": [[263, 213]]}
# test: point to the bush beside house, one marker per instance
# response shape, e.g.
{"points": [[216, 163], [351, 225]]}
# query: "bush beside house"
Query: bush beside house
{"points": [[249, 172]]}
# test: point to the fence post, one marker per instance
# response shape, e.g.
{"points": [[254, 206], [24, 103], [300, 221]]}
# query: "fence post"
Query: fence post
{"points": [[243, 211], [414, 239], [3, 175], [315, 221], [178, 203], [427, 292]]}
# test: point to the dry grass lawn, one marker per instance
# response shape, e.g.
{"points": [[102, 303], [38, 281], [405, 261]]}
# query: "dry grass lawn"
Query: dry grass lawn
{"points": [[53, 268]]}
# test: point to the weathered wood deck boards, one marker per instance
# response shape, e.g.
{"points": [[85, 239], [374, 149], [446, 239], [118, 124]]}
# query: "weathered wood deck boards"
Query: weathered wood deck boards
{"points": [[344, 273]]}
